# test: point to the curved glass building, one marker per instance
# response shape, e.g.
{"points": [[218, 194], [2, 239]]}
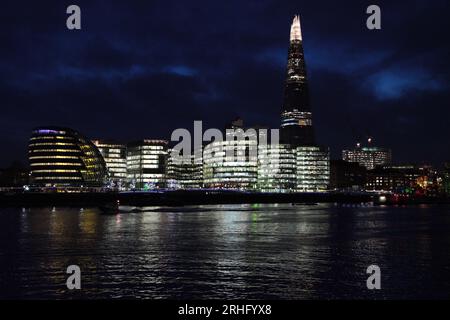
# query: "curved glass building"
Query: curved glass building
{"points": [[62, 157]]}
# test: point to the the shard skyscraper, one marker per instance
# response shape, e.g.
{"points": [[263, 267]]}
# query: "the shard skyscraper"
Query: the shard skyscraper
{"points": [[296, 116]]}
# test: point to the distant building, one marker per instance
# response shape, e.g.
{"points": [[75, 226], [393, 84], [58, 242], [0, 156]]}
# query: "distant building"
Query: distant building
{"points": [[62, 157], [185, 174], [313, 168], [347, 175], [146, 164], [114, 154], [404, 179], [277, 168], [369, 157]]}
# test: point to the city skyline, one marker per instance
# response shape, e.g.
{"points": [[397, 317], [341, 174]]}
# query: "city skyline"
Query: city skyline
{"points": [[227, 158], [115, 86]]}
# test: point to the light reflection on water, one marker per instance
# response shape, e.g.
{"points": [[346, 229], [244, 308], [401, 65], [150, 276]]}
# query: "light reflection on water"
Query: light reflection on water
{"points": [[227, 251]]}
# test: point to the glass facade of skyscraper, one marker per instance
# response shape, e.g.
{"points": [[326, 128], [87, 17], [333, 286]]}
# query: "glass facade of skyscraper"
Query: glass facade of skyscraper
{"points": [[146, 164], [313, 168], [230, 165], [276, 168], [296, 116], [114, 155], [184, 174]]}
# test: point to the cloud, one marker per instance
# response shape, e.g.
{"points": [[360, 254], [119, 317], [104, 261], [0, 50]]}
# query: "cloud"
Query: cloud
{"points": [[396, 83], [181, 70]]}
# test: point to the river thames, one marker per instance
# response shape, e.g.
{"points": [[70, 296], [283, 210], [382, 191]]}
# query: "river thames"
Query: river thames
{"points": [[227, 252]]}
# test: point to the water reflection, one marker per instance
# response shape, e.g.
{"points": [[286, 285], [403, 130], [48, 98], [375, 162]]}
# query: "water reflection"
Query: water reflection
{"points": [[226, 251]]}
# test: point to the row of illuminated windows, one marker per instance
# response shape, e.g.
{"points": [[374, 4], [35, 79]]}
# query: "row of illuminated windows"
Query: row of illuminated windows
{"points": [[52, 138], [146, 157], [55, 150], [55, 164], [230, 158], [55, 170], [51, 144], [283, 162], [57, 178], [232, 166], [220, 175], [274, 154], [113, 156], [229, 178], [230, 183], [229, 146], [226, 166], [311, 155], [234, 172], [306, 182], [54, 157], [146, 176], [143, 164], [185, 169], [118, 161], [277, 181], [117, 170], [111, 150]]}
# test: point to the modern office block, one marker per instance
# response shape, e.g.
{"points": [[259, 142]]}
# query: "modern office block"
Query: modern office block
{"points": [[146, 164]]}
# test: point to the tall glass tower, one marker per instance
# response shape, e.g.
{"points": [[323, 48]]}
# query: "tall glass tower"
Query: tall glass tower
{"points": [[296, 116]]}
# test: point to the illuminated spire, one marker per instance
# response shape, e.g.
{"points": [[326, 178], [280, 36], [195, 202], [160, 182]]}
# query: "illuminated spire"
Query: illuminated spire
{"points": [[296, 32]]}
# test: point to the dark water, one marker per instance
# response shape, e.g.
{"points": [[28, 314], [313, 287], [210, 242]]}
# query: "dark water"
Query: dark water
{"points": [[231, 251]]}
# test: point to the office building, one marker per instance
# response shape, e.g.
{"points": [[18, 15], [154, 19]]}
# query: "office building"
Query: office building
{"points": [[184, 173], [114, 154], [147, 164], [232, 163], [403, 179], [368, 156], [313, 168], [62, 157], [236, 172], [276, 168]]}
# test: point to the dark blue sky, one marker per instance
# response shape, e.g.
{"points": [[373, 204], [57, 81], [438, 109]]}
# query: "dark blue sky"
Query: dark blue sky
{"points": [[139, 69]]}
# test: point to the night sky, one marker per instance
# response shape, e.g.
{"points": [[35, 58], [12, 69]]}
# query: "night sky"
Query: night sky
{"points": [[140, 69]]}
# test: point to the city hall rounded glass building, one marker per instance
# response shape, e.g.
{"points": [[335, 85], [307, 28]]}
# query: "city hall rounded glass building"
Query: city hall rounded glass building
{"points": [[63, 157]]}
